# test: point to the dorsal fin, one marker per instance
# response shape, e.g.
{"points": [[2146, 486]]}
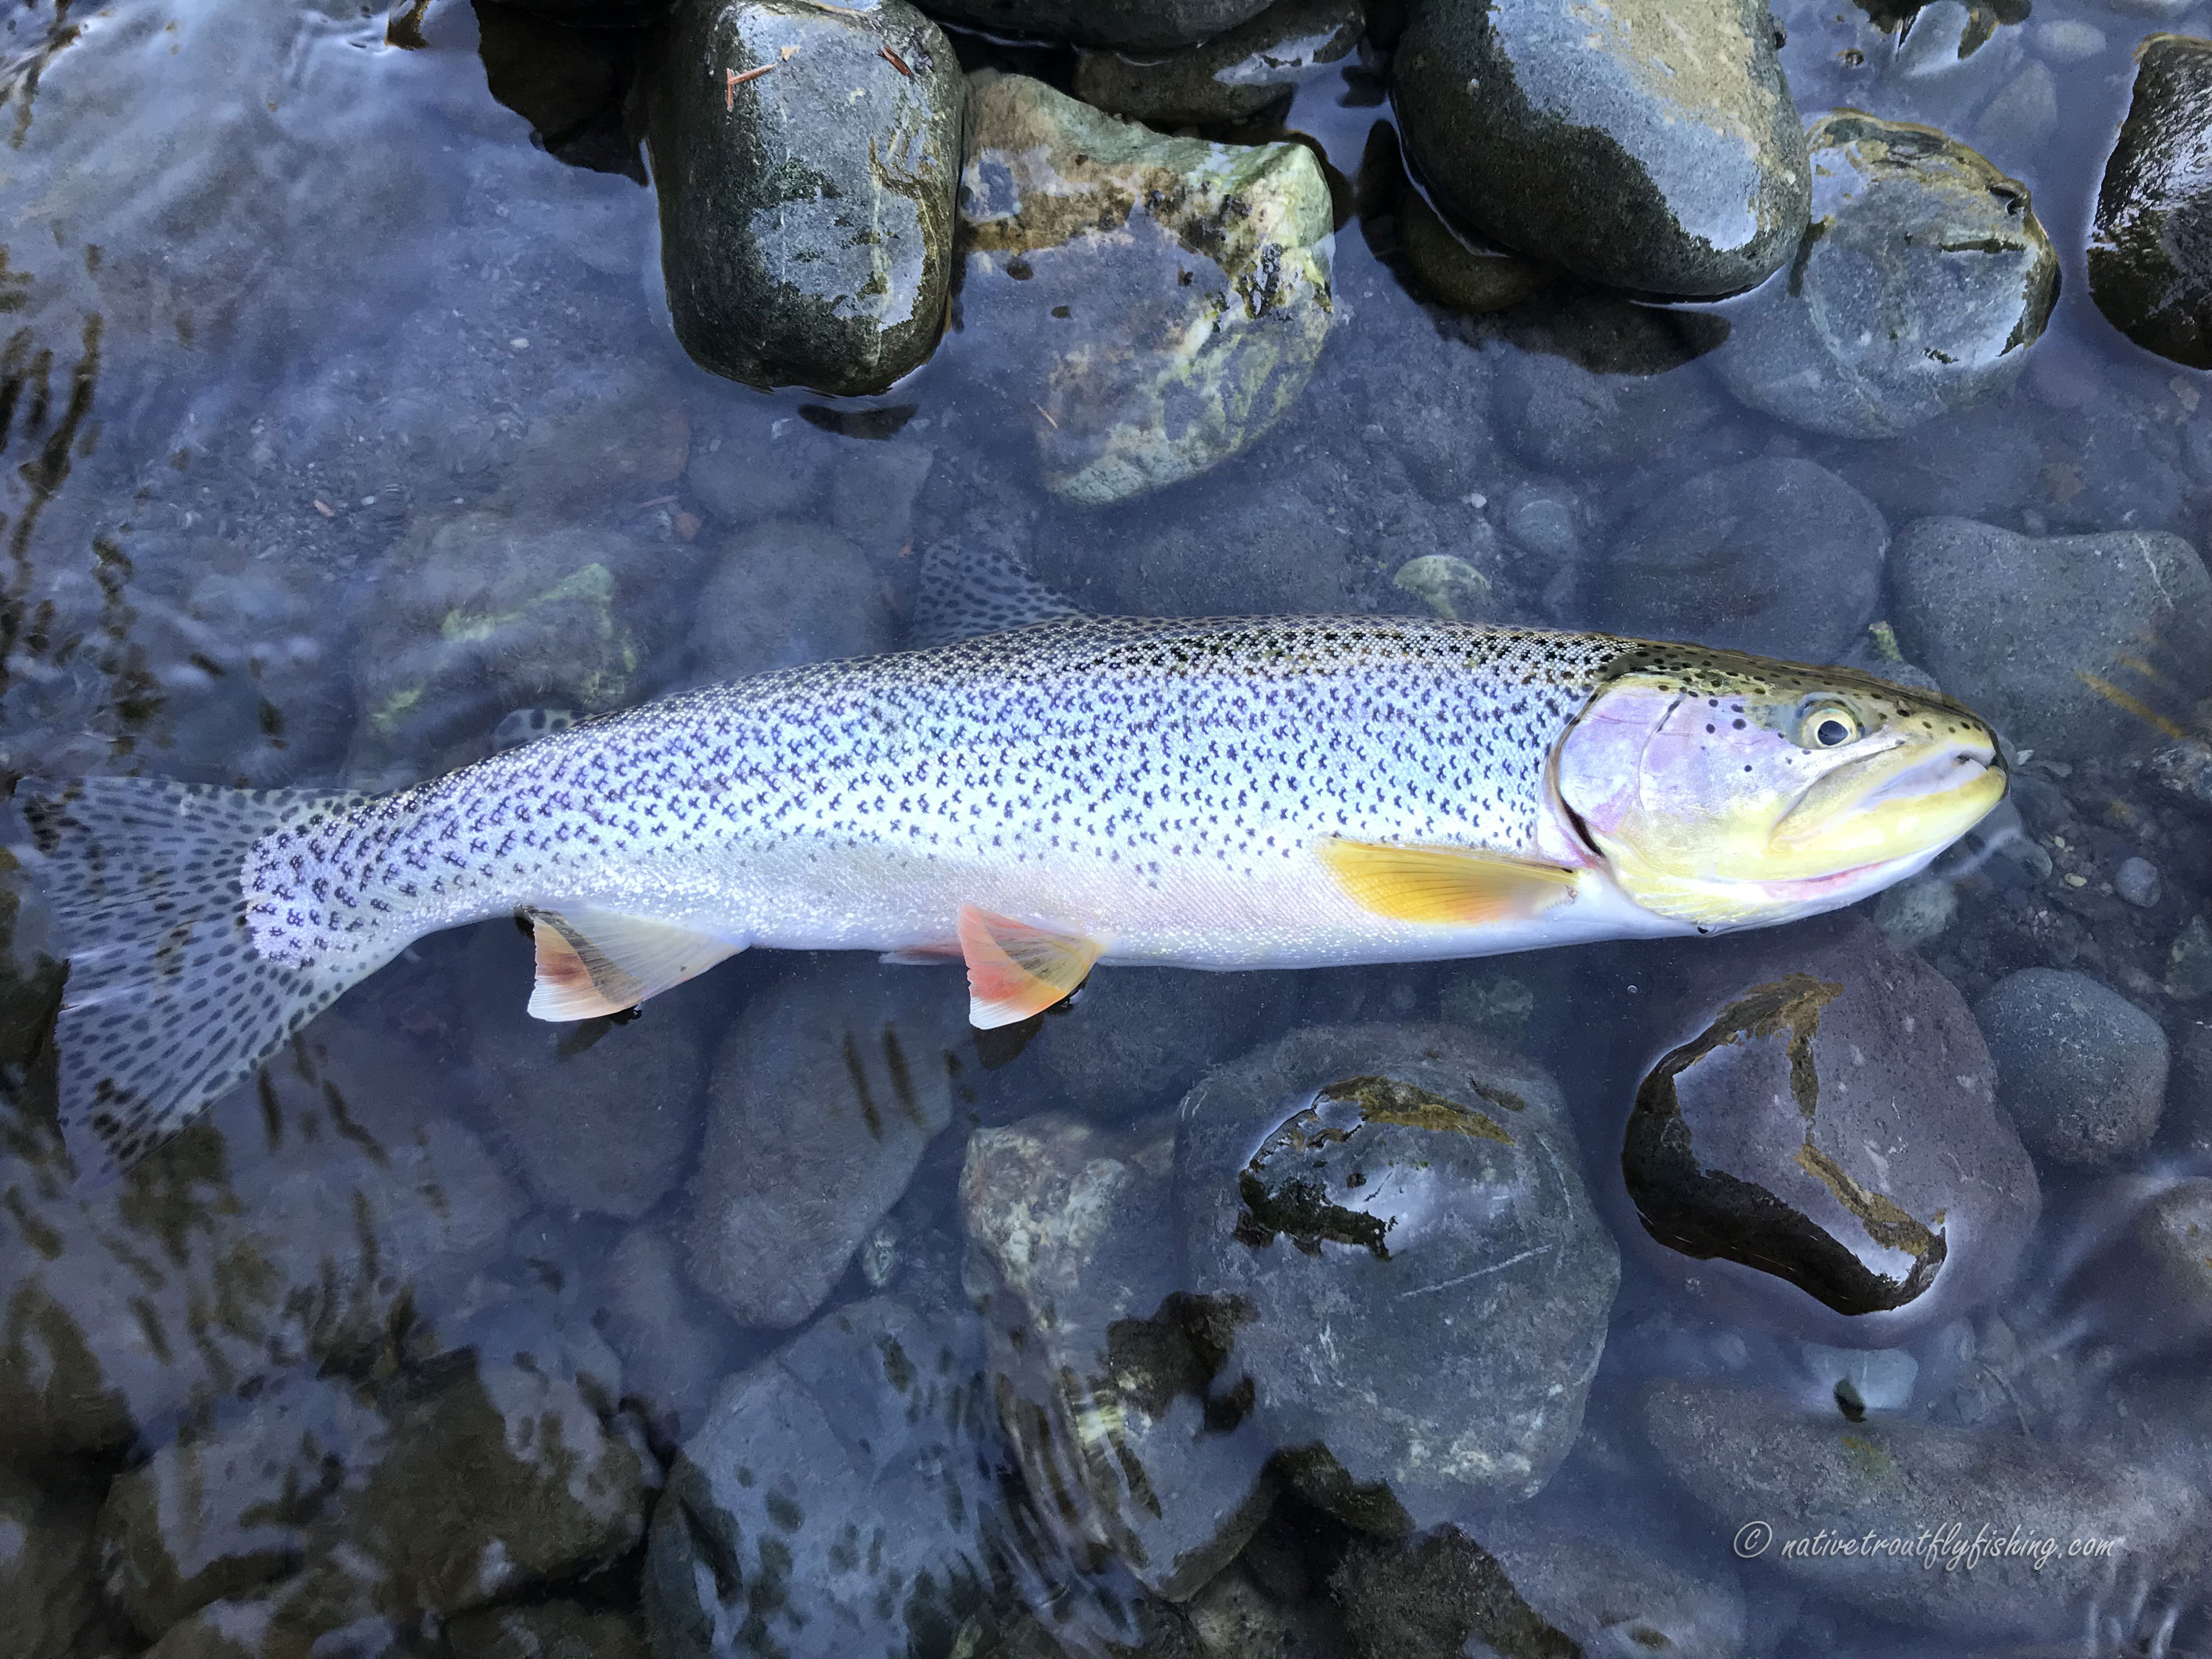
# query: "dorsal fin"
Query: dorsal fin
{"points": [[967, 591]]}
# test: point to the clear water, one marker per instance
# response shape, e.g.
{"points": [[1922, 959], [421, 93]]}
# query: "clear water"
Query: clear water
{"points": [[284, 299]]}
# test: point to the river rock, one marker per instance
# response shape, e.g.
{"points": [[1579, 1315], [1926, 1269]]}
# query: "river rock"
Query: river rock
{"points": [[1748, 1456], [2172, 1239], [1733, 557], [836, 1503], [250, 1244], [1596, 385], [785, 593], [1822, 1149], [483, 613], [2078, 610], [825, 1093], [2082, 1069], [1654, 148], [1136, 1040], [1923, 279], [1147, 24], [1100, 1364], [1156, 302], [1420, 1283], [2150, 266], [1531, 1590], [806, 159], [46, 1571], [1231, 78]]}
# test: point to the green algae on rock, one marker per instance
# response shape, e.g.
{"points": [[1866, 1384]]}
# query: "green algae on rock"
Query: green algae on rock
{"points": [[805, 159], [1646, 146], [1159, 302], [2150, 267], [1920, 283]]}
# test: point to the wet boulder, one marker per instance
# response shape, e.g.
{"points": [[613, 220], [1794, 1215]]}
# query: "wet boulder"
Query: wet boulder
{"points": [[1822, 1149], [2150, 255], [1916, 289], [823, 1095], [1103, 1366], [1231, 77], [1156, 303], [1655, 148], [1772, 555], [2083, 617], [1420, 1283], [1150, 24], [2080, 1068], [1927, 1496], [806, 158], [838, 1501]]}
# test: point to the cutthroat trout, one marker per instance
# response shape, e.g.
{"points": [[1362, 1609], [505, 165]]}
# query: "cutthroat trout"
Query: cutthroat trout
{"points": [[1033, 802]]}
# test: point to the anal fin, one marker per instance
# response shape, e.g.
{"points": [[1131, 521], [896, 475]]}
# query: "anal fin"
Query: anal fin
{"points": [[593, 963], [1448, 886], [1015, 970]]}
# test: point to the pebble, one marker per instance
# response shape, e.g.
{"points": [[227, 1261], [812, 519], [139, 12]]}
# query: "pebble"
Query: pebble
{"points": [[2137, 881], [2065, 40], [1106, 1372], [1913, 912], [1449, 586], [1655, 152], [1729, 556], [1155, 303], [1232, 77], [805, 159], [2082, 1070], [2077, 608], [1921, 280], [1747, 1456], [1422, 1284], [1820, 1148], [1541, 520], [823, 1095], [837, 1502], [2149, 272]]}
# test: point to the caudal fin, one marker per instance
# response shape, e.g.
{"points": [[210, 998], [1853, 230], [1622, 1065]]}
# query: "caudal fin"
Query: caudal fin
{"points": [[168, 1004]]}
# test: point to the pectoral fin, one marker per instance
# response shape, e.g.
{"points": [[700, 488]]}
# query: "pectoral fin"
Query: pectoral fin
{"points": [[1445, 885], [592, 962], [1015, 970]]}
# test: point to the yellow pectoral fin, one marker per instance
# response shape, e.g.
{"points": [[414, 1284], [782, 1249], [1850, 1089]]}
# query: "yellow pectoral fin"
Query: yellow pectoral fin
{"points": [[1448, 886], [1015, 970]]}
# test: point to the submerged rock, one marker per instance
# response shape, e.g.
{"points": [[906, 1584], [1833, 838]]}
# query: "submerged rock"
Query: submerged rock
{"points": [[2082, 1069], [1921, 280], [1136, 23], [1231, 77], [1158, 302], [1102, 1366], [1928, 1496], [1828, 1154], [825, 1093], [838, 1502], [2083, 616], [806, 159], [2150, 256], [1420, 1282], [1596, 384], [1648, 147], [46, 1572], [1771, 556], [785, 593]]}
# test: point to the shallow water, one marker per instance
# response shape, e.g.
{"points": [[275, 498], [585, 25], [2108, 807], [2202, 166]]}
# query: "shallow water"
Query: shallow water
{"points": [[314, 347]]}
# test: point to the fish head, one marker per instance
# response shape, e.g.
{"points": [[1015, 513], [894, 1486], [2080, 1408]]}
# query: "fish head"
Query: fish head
{"points": [[1731, 790]]}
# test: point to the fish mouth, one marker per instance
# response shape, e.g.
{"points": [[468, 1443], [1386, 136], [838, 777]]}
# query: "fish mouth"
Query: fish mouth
{"points": [[1891, 804]]}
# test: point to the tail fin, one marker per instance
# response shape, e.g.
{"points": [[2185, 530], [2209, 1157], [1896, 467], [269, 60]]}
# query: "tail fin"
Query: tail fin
{"points": [[167, 1003]]}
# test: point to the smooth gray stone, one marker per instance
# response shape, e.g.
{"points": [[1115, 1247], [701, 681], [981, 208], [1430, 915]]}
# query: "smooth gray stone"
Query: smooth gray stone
{"points": [[2082, 1069], [1921, 281], [2072, 606], [1420, 1283], [806, 214], [1649, 147], [2150, 254]]}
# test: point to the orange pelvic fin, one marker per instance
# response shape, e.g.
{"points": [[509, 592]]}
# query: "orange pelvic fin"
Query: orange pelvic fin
{"points": [[1015, 970], [592, 962], [1448, 886]]}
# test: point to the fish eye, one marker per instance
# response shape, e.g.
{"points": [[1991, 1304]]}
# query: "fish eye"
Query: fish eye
{"points": [[1826, 726]]}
